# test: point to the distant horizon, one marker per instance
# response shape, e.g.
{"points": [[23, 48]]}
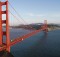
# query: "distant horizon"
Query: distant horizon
{"points": [[35, 23]]}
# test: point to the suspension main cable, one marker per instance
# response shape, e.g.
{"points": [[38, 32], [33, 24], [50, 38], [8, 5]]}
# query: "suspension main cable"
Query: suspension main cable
{"points": [[20, 15], [15, 17], [17, 13], [19, 20]]}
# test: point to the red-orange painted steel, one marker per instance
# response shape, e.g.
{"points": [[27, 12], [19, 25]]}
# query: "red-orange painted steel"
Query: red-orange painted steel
{"points": [[0, 24], [19, 39], [7, 28], [22, 38], [6, 33], [46, 26], [3, 21], [6, 46], [3, 3], [3, 12], [26, 36]]}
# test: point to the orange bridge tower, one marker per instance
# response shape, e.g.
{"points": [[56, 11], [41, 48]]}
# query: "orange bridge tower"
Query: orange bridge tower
{"points": [[6, 32], [45, 26]]}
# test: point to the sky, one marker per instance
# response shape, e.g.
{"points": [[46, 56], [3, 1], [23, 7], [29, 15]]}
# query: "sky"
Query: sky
{"points": [[35, 11]]}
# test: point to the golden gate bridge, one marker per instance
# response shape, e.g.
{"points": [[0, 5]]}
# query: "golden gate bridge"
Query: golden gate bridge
{"points": [[6, 46]]}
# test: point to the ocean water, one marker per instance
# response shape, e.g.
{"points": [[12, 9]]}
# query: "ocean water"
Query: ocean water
{"points": [[39, 45]]}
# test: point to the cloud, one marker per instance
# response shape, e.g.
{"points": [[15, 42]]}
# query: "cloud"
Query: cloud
{"points": [[43, 15], [35, 15], [31, 14]]}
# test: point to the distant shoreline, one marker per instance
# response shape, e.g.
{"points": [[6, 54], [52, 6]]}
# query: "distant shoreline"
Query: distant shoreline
{"points": [[51, 27]]}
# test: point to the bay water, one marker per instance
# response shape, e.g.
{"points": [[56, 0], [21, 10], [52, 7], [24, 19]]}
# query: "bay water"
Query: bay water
{"points": [[38, 45]]}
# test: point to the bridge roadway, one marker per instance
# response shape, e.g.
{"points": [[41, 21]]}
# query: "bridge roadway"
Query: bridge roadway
{"points": [[19, 39]]}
